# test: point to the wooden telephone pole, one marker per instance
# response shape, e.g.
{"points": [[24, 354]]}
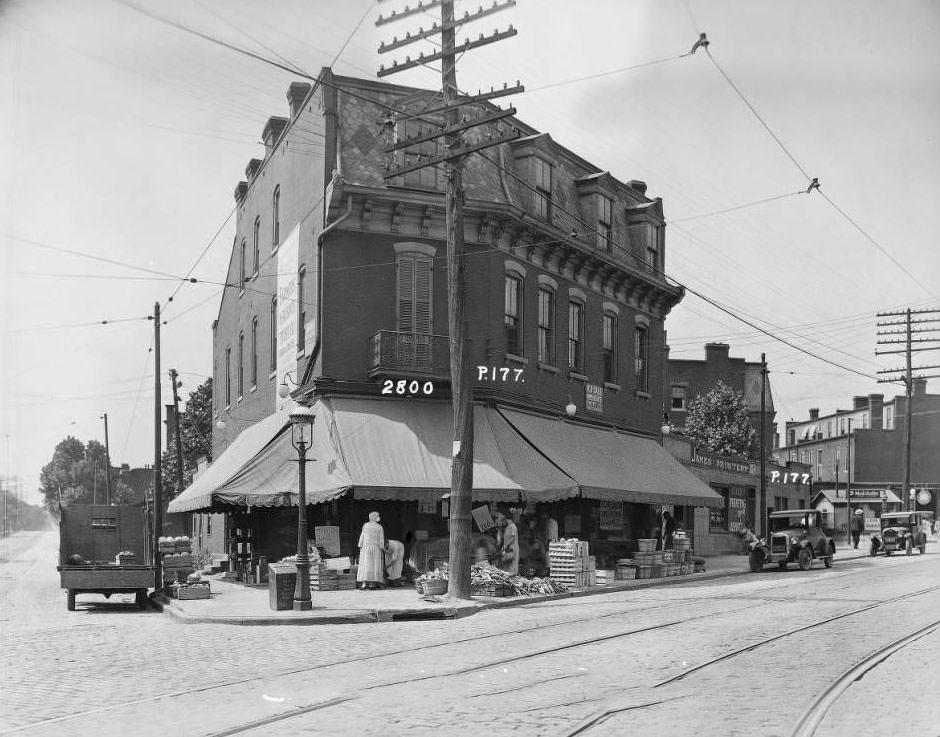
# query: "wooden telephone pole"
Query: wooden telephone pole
{"points": [[157, 446], [906, 322], [456, 148]]}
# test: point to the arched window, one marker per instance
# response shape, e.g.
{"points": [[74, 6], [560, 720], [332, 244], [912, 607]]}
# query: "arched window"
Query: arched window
{"points": [[641, 358], [241, 266], [546, 325], [415, 292], [276, 216], [301, 309], [512, 314], [253, 366], [256, 244], [241, 365], [273, 357], [609, 347], [228, 376]]}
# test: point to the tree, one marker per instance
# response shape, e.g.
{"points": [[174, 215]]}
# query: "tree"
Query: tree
{"points": [[73, 474], [195, 436], [717, 421]]}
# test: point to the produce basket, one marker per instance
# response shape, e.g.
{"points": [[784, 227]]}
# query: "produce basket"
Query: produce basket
{"points": [[491, 588], [190, 591], [644, 572], [435, 587], [419, 586], [646, 545]]}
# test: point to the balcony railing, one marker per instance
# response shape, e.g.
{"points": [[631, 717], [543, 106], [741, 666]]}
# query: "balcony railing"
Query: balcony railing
{"points": [[409, 353]]}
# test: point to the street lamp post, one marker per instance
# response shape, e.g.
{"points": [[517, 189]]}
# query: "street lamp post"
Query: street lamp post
{"points": [[301, 420]]}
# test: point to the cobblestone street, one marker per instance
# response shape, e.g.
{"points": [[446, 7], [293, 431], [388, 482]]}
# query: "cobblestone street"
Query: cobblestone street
{"points": [[602, 663]]}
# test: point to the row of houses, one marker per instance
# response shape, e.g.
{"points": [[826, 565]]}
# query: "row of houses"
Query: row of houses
{"points": [[336, 298]]}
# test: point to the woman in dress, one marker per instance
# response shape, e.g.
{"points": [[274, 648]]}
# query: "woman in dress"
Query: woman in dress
{"points": [[371, 554]]}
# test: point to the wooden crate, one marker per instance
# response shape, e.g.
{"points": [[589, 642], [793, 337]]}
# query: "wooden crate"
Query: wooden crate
{"points": [[190, 591]]}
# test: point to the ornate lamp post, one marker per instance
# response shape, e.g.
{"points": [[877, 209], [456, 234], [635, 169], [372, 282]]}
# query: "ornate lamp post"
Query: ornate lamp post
{"points": [[301, 420]]}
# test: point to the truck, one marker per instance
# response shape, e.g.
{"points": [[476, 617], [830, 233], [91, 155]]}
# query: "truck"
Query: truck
{"points": [[103, 550]]}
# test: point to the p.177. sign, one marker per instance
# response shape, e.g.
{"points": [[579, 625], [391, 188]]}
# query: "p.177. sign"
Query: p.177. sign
{"points": [[789, 477]]}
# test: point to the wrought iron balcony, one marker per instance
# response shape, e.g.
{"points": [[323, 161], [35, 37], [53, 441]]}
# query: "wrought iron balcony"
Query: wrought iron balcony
{"points": [[409, 353]]}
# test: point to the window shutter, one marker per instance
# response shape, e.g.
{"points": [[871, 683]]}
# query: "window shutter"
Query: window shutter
{"points": [[422, 296], [406, 322]]}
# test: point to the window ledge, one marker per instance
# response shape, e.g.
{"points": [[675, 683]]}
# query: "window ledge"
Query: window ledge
{"points": [[548, 367], [517, 359], [254, 388], [641, 393], [611, 385], [576, 376]]}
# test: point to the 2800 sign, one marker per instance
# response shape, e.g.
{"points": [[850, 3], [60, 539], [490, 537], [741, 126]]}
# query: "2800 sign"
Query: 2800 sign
{"points": [[406, 388]]}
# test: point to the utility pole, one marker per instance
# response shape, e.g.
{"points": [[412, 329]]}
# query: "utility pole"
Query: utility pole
{"points": [[930, 335], [456, 149], [107, 456], [848, 478], [94, 484], [176, 384], [763, 448], [157, 463]]}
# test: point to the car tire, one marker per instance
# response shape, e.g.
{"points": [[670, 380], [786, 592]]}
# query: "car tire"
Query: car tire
{"points": [[923, 547], [805, 559], [888, 552], [781, 565], [755, 560]]}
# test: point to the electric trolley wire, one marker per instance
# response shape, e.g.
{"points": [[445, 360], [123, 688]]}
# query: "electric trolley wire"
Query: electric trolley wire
{"points": [[736, 207], [608, 73]]}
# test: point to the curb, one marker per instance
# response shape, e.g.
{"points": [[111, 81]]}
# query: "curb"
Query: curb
{"points": [[373, 616]]}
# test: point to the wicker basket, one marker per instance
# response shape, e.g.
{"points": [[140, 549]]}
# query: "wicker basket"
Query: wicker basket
{"points": [[435, 587], [491, 588], [644, 572], [646, 545]]}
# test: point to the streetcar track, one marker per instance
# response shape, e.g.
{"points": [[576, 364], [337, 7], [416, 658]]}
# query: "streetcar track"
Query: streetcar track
{"points": [[810, 720], [767, 641]]}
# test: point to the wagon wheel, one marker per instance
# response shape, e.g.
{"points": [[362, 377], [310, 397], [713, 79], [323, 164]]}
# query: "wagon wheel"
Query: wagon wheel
{"points": [[71, 600], [805, 559]]}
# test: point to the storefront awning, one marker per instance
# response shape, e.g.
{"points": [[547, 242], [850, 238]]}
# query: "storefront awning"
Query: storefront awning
{"points": [[381, 449], [612, 465]]}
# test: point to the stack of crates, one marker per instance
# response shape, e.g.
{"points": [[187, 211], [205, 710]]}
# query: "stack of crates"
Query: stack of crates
{"points": [[323, 578], [570, 564], [177, 559]]}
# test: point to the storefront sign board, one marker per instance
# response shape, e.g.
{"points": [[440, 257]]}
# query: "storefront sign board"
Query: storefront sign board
{"points": [[483, 518], [327, 537], [427, 506], [611, 517], [700, 458], [593, 398]]}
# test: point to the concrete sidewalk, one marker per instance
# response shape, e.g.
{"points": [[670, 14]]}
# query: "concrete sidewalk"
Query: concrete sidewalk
{"points": [[237, 603]]}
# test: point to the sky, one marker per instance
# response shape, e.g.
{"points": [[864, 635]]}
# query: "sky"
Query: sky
{"points": [[122, 138]]}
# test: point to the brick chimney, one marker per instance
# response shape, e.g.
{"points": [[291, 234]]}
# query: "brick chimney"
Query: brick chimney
{"points": [[814, 413], [919, 387], [716, 352], [272, 131], [252, 169], [296, 94], [859, 402], [876, 410], [637, 185], [241, 189]]}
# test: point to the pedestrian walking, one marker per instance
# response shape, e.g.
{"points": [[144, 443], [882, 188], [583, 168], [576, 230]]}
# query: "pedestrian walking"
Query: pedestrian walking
{"points": [[371, 573], [858, 526], [508, 540], [669, 527]]}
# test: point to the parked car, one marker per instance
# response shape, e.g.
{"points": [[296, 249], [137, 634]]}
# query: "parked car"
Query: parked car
{"points": [[794, 536], [900, 531]]}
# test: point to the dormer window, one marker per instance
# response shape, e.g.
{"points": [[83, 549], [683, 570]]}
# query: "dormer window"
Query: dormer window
{"points": [[542, 181], [604, 207]]}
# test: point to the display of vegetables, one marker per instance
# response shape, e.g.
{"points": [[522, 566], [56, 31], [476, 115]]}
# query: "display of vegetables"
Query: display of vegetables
{"points": [[483, 573]]}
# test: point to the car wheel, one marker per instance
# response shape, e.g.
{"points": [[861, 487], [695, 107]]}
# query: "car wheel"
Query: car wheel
{"points": [[909, 547], [887, 552], [923, 547], [805, 559], [755, 560], [782, 565], [141, 599]]}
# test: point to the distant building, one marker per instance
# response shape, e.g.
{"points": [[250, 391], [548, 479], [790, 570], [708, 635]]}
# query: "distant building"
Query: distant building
{"points": [[863, 449]]}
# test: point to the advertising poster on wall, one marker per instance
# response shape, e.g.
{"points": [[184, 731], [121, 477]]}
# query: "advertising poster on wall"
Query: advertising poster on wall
{"points": [[288, 256]]}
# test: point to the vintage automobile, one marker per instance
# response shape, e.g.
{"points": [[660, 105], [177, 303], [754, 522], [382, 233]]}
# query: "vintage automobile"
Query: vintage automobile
{"points": [[794, 536], [900, 531]]}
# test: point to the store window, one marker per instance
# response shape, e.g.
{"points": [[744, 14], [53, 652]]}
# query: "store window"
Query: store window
{"points": [[604, 229], [609, 347], [678, 398], [546, 329], [512, 314], [575, 332], [718, 516]]}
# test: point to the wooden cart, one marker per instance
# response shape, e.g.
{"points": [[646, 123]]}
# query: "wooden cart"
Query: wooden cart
{"points": [[107, 579], [90, 539]]}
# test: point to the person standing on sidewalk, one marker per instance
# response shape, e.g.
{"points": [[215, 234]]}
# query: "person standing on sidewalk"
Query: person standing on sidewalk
{"points": [[858, 527], [669, 527], [508, 539], [371, 573]]}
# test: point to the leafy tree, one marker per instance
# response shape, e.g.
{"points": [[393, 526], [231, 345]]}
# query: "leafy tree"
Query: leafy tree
{"points": [[717, 421], [195, 438], [74, 472]]}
